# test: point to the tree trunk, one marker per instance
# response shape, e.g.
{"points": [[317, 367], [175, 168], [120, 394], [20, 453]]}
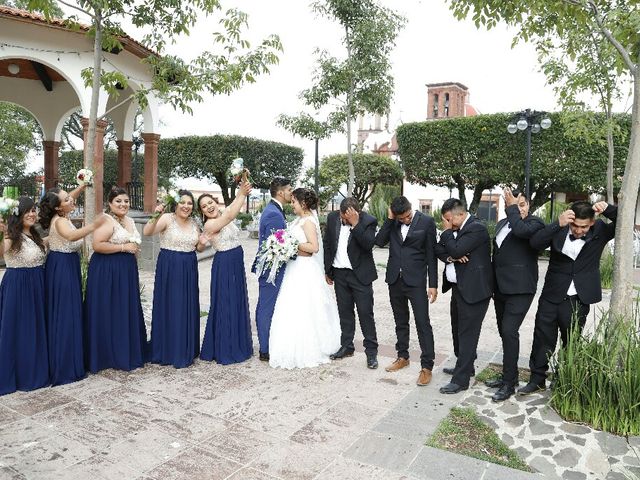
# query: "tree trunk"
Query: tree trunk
{"points": [[477, 196], [622, 293], [90, 193], [611, 151], [461, 186], [348, 106]]}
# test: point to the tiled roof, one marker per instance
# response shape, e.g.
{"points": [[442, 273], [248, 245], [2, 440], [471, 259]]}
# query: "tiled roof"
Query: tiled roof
{"points": [[128, 43]]}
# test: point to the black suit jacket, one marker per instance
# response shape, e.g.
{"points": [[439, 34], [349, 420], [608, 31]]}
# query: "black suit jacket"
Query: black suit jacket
{"points": [[585, 270], [475, 278], [414, 256], [515, 263], [359, 248]]}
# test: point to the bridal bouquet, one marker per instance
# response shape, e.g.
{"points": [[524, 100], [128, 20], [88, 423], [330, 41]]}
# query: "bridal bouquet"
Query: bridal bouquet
{"points": [[238, 171], [276, 250], [8, 206], [84, 177], [167, 199]]}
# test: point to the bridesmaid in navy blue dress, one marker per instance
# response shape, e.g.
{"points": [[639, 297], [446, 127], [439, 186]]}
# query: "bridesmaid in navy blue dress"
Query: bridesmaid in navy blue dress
{"points": [[227, 338], [63, 286], [24, 364], [175, 323], [114, 334]]}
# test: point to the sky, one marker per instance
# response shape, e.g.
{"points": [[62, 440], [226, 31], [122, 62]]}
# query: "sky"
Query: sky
{"points": [[433, 47]]}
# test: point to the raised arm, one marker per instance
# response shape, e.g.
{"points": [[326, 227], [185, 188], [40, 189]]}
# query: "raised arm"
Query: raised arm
{"points": [[385, 231], [466, 243], [73, 234], [364, 234], [157, 225], [231, 212], [524, 229], [75, 193]]}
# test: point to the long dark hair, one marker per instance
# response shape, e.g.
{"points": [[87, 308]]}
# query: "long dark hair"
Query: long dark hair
{"points": [[16, 222], [113, 193], [204, 195], [48, 205]]}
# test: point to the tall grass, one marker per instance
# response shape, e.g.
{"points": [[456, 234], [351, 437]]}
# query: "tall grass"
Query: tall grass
{"points": [[597, 378], [606, 267]]}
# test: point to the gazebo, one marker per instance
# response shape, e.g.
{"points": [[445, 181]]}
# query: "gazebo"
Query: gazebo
{"points": [[40, 70]]}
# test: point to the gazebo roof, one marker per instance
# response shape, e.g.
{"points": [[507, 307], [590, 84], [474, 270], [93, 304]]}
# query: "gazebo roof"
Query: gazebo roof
{"points": [[129, 44]]}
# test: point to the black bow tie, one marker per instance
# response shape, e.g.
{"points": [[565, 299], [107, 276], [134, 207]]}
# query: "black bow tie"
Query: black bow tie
{"points": [[572, 237]]}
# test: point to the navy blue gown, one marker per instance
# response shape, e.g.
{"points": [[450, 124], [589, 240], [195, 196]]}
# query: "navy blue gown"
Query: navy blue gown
{"points": [[227, 338], [63, 308], [175, 324], [24, 363], [114, 335]]}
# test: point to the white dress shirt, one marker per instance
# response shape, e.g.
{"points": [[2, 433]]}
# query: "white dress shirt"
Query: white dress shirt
{"points": [[404, 229], [341, 259], [281, 207], [450, 269], [572, 250], [502, 234]]}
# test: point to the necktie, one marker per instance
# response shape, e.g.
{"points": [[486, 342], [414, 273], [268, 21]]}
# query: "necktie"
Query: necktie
{"points": [[572, 237]]}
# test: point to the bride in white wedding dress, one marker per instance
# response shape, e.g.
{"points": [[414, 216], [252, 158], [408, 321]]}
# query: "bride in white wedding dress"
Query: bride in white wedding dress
{"points": [[305, 328]]}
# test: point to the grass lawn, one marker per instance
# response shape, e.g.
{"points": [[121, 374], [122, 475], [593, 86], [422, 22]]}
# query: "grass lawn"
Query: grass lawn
{"points": [[463, 432]]}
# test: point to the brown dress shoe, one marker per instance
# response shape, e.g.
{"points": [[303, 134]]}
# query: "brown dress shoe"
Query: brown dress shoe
{"points": [[424, 378], [398, 364]]}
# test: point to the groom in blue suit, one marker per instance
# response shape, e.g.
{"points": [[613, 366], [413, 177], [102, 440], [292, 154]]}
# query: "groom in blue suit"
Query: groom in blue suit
{"points": [[272, 218]]}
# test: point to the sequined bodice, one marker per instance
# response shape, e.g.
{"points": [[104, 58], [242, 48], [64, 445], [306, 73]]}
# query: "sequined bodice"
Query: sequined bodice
{"points": [[121, 235], [28, 256], [175, 238], [57, 243], [227, 238]]}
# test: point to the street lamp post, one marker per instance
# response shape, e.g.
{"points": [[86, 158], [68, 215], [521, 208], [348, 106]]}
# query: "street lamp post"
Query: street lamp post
{"points": [[532, 122]]}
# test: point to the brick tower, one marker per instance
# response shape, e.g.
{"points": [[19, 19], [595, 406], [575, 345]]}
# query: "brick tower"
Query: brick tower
{"points": [[447, 100]]}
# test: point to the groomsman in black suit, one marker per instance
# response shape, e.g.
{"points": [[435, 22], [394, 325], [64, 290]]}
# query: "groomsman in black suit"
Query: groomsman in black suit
{"points": [[515, 270], [465, 248], [572, 282], [411, 237], [349, 266]]}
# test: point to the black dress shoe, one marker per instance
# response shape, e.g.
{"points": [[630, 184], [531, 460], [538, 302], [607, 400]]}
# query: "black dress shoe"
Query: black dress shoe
{"points": [[451, 371], [530, 388], [341, 353], [451, 388], [495, 383], [264, 357], [505, 392], [372, 362]]}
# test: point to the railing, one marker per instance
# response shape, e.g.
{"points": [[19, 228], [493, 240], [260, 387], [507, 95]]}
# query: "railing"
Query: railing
{"points": [[136, 195]]}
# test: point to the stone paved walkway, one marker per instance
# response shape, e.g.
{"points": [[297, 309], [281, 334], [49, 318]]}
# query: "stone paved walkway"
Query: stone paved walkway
{"points": [[249, 421]]}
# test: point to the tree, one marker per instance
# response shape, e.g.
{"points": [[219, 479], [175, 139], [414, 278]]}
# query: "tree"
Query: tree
{"points": [[477, 153], [589, 71], [371, 170], [306, 126], [360, 82], [20, 134], [211, 157], [617, 22], [177, 82]]}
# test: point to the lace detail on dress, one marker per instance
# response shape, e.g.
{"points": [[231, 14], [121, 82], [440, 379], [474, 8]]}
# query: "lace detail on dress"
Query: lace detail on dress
{"points": [[57, 243], [176, 239], [28, 256], [121, 235], [227, 238]]}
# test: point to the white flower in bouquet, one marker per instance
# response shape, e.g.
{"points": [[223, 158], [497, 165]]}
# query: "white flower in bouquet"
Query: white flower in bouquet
{"points": [[276, 250], [173, 197], [135, 239], [8, 206], [237, 167], [84, 177]]}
